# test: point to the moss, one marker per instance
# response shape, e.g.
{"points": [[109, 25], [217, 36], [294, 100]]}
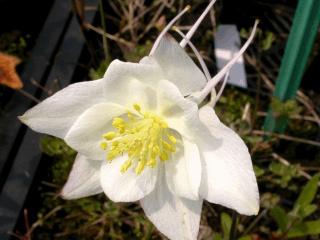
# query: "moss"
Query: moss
{"points": [[14, 43]]}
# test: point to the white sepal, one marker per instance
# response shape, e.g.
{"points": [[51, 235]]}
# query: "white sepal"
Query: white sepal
{"points": [[127, 186], [228, 177], [84, 179], [177, 218], [85, 135], [56, 114]]}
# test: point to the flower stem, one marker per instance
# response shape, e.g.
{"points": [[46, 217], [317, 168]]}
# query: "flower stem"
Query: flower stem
{"points": [[28, 95], [233, 230], [103, 24]]}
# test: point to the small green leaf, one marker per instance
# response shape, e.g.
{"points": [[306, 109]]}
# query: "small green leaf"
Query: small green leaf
{"points": [[134, 55], [306, 210], [304, 229], [100, 71], [217, 237], [226, 222], [285, 172], [268, 40], [308, 192], [280, 216], [287, 108], [258, 171], [276, 168], [245, 238], [54, 146], [269, 200]]}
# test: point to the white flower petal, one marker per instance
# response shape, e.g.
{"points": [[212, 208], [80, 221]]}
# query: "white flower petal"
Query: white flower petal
{"points": [[118, 87], [183, 171], [84, 179], [228, 178], [127, 186], [177, 218], [85, 135], [178, 67], [181, 114], [56, 114]]}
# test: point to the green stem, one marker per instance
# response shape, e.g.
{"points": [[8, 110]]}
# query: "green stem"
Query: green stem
{"points": [[103, 24], [233, 230]]}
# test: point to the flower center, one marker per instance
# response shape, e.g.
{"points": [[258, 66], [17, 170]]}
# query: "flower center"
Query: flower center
{"points": [[144, 136]]}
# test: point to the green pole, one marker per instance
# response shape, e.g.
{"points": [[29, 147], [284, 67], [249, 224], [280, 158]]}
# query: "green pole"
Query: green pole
{"points": [[301, 38]]}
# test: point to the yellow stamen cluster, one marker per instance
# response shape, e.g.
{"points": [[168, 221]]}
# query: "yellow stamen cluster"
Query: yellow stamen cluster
{"points": [[144, 136]]}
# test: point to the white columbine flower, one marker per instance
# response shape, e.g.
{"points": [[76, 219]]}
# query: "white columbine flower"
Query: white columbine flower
{"points": [[140, 136]]}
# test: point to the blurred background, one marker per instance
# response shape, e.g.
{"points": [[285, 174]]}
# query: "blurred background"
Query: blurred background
{"points": [[272, 100]]}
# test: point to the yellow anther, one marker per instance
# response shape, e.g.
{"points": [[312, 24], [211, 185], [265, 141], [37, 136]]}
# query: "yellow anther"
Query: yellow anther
{"points": [[168, 146], [122, 129], [164, 125], [152, 163], [109, 135], [131, 116], [131, 153], [137, 107], [111, 155], [115, 143], [125, 166], [103, 145], [172, 139], [118, 122], [156, 150], [164, 156]]}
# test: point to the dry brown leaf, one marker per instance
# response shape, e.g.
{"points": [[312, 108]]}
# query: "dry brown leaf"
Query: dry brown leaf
{"points": [[8, 74]]}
